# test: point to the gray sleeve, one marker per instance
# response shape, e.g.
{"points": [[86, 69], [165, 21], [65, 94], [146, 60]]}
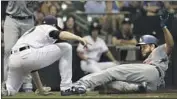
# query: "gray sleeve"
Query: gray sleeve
{"points": [[161, 50]]}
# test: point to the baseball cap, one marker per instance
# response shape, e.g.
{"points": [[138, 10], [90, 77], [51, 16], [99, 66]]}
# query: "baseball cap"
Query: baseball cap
{"points": [[52, 20], [126, 21]]}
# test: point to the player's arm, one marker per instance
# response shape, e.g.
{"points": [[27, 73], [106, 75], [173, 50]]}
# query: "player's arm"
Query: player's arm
{"points": [[40, 88], [169, 42], [110, 56], [64, 35], [107, 52], [37, 80]]}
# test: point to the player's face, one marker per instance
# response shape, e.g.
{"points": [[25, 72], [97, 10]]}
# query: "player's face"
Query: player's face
{"points": [[146, 49], [94, 33]]}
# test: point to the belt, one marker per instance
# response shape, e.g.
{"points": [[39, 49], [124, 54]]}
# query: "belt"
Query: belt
{"points": [[19, 17], [158, 69], [20, 49]]}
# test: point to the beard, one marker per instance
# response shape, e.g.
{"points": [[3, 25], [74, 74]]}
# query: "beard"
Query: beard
{"points": [[146, 56]]}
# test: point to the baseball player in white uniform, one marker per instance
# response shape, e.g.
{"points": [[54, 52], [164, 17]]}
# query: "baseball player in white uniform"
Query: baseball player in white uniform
{"points": [[91, 56], [144, 77], [37, 49]]}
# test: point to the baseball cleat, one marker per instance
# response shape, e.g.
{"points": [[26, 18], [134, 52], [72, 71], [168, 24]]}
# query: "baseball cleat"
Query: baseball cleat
{"points": [[143, 87], [73, 91], [79, 88], [67, 92], [4, 91]]}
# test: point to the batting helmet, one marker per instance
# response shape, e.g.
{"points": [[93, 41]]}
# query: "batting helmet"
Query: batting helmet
{"points": [[147, 39], [52, 20]]}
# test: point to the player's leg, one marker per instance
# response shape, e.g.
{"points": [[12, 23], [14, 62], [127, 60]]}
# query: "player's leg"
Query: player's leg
{"points": [[15, 76], [90, 66], [11, 34], [65, 65], [24, 26], [127, 72], [45, 56], [105, 65], [126, 87]]}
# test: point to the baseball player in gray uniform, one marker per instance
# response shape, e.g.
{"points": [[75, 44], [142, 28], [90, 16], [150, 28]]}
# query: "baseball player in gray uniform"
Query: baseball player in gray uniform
{"points": [[144, 77], [19, 19], [37, 49]]}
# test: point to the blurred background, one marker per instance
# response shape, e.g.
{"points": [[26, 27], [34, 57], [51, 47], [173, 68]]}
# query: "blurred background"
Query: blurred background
{"points": [[131, 19]]}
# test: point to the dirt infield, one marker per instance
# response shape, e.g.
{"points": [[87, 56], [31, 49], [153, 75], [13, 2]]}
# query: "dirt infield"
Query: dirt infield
{"points": [[167, 94]]}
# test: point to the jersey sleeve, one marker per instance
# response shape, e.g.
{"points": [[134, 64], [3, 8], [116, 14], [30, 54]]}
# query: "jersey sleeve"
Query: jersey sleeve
{"points": [[161, 50], [54, 34], [51, 32], [104, 46]]}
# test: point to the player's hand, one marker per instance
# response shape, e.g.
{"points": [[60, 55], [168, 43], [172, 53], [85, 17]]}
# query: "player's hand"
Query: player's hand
{"points": [[163, 19], [84, 42], [44, 92]]}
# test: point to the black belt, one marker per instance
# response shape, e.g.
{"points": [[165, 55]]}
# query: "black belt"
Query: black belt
{"points": [[158, 69], [20, 49], [19, 17]]}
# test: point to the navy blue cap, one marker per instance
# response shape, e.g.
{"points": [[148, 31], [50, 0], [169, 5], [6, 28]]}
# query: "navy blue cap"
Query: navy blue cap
{"points": [[50, 20]]}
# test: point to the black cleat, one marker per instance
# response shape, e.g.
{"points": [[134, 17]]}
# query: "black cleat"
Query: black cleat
{"points": [[143, 87], [67, 92]]}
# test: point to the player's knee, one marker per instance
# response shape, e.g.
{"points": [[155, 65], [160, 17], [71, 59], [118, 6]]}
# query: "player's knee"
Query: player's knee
{"points": [[68, 47]]}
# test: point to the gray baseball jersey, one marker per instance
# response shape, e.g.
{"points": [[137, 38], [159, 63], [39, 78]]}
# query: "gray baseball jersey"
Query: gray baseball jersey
{"points": [[123, 77], [21, 8], [159, 58]]}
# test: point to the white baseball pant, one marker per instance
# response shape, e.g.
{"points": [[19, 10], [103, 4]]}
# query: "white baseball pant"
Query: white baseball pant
{"points": [[22, 63], [92, 66]]}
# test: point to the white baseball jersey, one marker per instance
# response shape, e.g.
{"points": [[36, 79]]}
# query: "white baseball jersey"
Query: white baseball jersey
{"points": [[94, 50], [36, 37], [43, 51]]}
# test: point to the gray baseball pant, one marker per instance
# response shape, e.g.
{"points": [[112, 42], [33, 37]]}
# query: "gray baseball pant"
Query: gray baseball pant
{"points": [[124, 76]]}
